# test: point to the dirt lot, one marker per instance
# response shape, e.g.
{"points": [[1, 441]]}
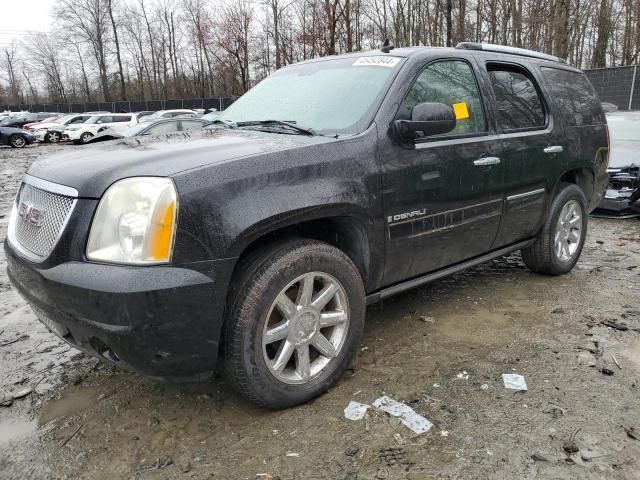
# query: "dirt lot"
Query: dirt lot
{"points": [[441, 349]]}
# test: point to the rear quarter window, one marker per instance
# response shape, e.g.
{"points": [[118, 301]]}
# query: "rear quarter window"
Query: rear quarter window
{"points": [[575, 96]]}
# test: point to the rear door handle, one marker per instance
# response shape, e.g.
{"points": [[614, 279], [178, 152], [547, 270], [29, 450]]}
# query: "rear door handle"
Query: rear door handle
{"points": [[484, 161], [554, 149]]}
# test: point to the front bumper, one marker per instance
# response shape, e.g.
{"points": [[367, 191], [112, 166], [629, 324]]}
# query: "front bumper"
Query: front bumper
{"points": [[622, 198], [161, 321], [71, 134]]}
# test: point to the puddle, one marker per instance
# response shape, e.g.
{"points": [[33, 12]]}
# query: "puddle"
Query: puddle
{"points": [[14, 429], [71, 403]]}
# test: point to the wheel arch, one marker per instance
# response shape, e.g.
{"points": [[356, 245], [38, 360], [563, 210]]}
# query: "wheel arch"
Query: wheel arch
{"points": [[582, 177], [346, 232]]}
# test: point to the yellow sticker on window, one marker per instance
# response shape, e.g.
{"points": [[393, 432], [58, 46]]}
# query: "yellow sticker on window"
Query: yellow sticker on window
{"points": [[460, 110]]}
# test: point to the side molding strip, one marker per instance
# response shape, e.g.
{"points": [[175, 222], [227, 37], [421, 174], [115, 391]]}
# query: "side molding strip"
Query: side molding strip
{"points": [[525, 194], [430, 277]]}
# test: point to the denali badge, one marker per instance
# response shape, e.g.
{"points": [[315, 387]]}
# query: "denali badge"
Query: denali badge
{"points": [[31, 214]]}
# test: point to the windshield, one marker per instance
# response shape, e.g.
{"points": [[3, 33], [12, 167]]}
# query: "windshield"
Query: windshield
{"points": [[624, 127], [133, 131], [330, 97], [67, 118], [153, 116], [211, 116]]}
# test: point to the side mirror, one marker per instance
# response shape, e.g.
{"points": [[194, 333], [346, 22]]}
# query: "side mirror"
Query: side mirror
{"points": [[427, 119]]}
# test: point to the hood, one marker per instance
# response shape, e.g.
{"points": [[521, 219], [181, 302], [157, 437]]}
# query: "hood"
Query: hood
{"points": [[48, 125], [91, 169], [10, 130], [624, 154]]}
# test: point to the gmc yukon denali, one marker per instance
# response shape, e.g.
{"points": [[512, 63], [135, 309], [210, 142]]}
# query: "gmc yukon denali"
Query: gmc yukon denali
{"points": [[256, 243]]}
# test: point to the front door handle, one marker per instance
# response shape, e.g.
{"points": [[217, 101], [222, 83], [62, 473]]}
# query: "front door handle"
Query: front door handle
{"points": [[484, 161], [554, 149]]}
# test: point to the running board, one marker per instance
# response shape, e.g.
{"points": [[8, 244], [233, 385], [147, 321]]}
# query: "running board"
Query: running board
{"points": [[430, 277]]}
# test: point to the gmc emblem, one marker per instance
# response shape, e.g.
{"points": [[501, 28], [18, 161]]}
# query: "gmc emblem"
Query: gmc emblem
{"points": [[31, 214]]}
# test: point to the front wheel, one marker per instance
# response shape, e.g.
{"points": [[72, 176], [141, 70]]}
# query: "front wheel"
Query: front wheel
{"points": [[17, 141], [85, 137], [52, 137], [559, 243], [296, 323]]}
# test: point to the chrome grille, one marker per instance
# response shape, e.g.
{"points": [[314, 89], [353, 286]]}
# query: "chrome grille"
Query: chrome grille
{"points": [[38, 234]]}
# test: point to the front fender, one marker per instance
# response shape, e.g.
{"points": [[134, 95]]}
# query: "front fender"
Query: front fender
{"points": [[225, 207]]}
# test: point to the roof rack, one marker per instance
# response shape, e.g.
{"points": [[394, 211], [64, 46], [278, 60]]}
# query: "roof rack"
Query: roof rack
{"points": [[490, 47]]}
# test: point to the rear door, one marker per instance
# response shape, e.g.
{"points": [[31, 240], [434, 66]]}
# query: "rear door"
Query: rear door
{"points": [[443, 198], [532, 147]]}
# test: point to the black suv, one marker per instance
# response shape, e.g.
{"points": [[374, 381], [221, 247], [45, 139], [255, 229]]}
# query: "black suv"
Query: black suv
{"points": [[332, 184]]}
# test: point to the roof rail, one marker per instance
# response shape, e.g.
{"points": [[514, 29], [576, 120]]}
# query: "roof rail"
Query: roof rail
{"points": [[490, 47]]}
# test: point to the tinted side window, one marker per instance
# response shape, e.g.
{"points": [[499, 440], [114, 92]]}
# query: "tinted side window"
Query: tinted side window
{"points": [[518, 104], [122, 118], [575, 96], [449, 82], [191, 124], [165, 127], [107, 119]]}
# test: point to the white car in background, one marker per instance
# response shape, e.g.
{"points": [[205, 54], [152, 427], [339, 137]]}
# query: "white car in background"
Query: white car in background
{"points": [[160, 114], [114, 122], [52, 132]]}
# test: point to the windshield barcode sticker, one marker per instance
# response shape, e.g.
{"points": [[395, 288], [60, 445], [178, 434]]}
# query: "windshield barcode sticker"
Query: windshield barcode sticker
{"points": [[377, 61]]}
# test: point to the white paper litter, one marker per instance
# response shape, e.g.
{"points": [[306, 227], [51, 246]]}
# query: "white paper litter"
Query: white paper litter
{"points": [[514, 381], [355, 410], [409, 418]]}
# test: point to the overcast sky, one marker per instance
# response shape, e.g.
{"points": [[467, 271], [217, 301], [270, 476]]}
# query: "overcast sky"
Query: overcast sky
{"points": [[17, 17]]}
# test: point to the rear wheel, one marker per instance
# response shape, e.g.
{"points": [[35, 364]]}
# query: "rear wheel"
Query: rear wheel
{"points": [[295, 325], [559, 243], [17, 141], [52, 137]]}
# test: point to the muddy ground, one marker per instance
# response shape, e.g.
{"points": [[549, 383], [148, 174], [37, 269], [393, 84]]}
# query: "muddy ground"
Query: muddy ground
{"points": [[441, 348]]}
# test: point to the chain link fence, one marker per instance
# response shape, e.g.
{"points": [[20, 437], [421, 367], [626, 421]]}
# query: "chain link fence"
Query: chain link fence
{"points": [[617, 85], [219, 104]]}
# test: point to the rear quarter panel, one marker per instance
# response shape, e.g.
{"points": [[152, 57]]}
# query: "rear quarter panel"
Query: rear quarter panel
{"points": [[586, 136]]}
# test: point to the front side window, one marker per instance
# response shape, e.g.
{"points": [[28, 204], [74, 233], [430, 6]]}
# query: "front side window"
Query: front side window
{"points": [[191, 124], [518, 104], [451, 82], [329, 96], [162, 128]]}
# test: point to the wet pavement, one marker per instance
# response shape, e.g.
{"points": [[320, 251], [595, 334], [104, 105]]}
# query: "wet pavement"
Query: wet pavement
{"points": [[441, 348]]}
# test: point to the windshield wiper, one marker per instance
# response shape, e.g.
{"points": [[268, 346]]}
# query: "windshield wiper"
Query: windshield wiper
{"points": [[225, 122], [281, 124]]}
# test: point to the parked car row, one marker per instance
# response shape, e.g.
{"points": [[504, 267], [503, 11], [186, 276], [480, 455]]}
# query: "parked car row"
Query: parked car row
{"points": [[19, 129]]}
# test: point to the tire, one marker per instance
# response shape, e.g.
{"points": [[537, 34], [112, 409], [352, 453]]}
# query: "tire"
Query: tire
{"points": [[546, 255], [17, 141], [52, 137], [252, 359], [85, 137]]}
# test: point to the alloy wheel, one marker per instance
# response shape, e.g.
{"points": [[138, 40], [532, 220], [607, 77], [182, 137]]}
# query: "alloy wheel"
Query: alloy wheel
{"points": [[568, 231], [306, 328], [18, 142]]}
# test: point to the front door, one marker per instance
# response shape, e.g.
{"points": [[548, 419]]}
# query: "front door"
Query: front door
{"points": [[443, 198]]}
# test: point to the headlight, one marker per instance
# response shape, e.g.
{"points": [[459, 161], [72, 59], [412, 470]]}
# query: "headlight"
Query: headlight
{"points": [[135, 222]]}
